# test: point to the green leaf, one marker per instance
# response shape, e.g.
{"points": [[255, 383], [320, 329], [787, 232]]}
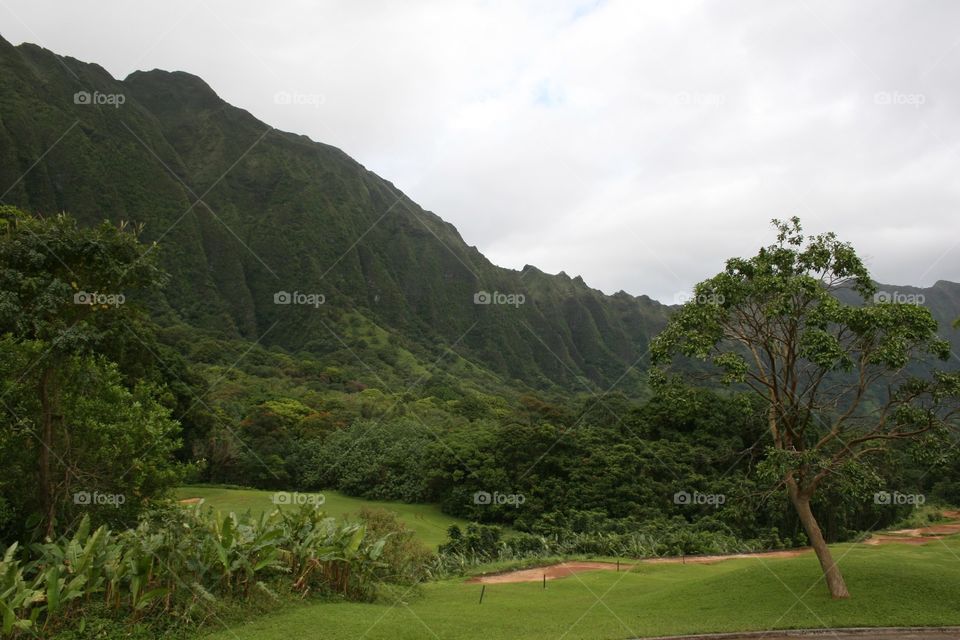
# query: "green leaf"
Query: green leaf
{"points": [[52, 578], [150, 596]]}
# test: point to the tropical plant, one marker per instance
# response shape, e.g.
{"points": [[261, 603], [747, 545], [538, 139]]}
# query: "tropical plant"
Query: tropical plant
{"points": [[181, 561]]}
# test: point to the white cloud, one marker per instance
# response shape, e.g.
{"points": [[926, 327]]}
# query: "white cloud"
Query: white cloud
{"points": [[636, 144]]}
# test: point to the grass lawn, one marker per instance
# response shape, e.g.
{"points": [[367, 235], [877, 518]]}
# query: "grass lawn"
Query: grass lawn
{"points": [[426, 520], [894, 585]]}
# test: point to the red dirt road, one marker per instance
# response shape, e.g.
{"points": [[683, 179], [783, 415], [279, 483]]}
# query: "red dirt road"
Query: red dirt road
{"points": [[564, 569], [552, 572], [920, 535]]}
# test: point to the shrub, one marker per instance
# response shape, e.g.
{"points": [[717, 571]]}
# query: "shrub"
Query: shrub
{"points": [[180, 562], [404, 557]]}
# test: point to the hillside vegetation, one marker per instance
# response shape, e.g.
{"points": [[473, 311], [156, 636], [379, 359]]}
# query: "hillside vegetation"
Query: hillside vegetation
{"points": [[195, 305]]}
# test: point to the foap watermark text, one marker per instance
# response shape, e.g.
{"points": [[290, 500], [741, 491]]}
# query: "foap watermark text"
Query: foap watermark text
{"points": [[497, 297], [298, 297], [296, 498], [697, 498], [95, 498], [487, 498]]}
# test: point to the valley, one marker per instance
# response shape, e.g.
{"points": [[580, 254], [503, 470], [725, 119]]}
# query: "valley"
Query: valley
{"points": [[250, 389]]}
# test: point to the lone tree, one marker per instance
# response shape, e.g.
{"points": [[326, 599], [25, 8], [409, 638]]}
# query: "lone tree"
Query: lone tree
{"points": [[841, 381]]}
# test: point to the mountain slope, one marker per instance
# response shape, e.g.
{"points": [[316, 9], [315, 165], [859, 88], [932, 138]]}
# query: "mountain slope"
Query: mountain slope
{"points": [[242, 211]]}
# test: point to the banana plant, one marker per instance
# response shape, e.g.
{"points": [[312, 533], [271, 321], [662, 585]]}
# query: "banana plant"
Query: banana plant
{"points": [[17, 597], [184, 561]]}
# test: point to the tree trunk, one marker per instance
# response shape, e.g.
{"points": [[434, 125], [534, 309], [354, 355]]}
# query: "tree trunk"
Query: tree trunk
{"points": [[831, 572], [46, 446]]}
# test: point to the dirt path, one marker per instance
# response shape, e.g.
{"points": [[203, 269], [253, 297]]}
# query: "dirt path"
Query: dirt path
{"points": [[552, 572], [920, 535], [564, 569]]}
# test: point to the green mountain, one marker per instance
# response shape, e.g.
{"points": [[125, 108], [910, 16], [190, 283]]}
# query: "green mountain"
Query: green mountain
{"points": [[246, 216], [242, 211]]}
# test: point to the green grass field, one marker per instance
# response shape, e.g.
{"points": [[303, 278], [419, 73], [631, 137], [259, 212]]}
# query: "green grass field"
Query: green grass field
{"points": [[895, 585], [426, 520]]}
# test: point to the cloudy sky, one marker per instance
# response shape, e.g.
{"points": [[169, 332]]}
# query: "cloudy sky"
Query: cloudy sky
{"points": [[638, 144]]}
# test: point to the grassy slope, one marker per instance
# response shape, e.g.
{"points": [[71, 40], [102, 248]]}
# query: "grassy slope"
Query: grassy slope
{"points": [[893, 585], [426, 520]]}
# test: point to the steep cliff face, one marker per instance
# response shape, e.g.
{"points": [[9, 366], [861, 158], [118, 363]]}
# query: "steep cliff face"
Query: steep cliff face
{"points": [[242, 211]]}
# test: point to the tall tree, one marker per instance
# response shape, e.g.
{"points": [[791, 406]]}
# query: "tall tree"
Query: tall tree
{"points": [[67, 293], [840, 381]]}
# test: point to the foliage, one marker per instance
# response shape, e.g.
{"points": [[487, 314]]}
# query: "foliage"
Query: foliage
{"points": [[374, 459], [404, 557], [80, 403], [177, 562], [837, 380], [427, 522], [592, 534], [404, 389]]}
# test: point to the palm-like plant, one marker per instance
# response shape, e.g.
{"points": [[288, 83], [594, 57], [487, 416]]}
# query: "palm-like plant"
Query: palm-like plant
{"points": [[181, 561]]}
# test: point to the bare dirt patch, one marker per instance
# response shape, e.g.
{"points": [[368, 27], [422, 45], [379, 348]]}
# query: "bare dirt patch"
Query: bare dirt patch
{"points": [[920, 535], [564, 569], [190, 500], [552, 572]]}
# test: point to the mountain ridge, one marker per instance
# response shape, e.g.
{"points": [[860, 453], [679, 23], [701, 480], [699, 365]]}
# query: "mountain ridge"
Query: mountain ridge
{"points": [[243, 211]]}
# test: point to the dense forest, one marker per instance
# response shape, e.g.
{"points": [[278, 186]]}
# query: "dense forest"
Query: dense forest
{"points": [[107, 412]]}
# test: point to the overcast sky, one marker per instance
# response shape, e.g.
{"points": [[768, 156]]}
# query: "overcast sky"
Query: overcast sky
{"points": [[638, 144]]}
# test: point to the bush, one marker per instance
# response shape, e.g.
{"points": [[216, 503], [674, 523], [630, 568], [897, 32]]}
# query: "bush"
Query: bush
{"points": [[181, 562], [588, 533], [404, 557], [479, 540]]}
